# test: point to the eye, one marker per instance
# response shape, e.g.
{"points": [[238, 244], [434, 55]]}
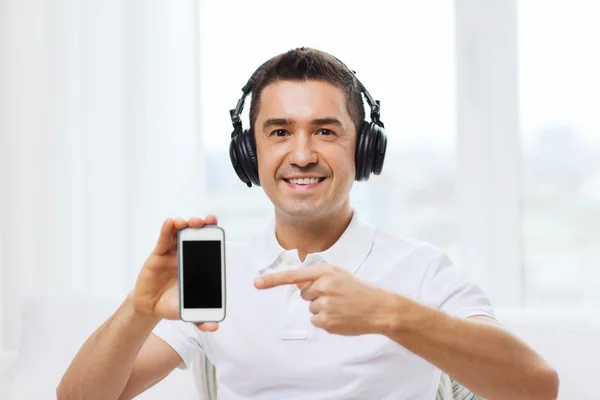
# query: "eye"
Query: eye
{"points": [[279, 133], [326, 132]]}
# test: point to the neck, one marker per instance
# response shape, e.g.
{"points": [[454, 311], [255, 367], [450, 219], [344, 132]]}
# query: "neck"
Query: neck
{"points": [[312, 235]]}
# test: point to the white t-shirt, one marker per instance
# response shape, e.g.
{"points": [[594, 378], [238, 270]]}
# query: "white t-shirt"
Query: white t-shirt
{"points": [[267, 348]]}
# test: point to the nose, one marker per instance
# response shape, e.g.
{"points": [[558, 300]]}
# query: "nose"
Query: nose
{"points": [[302, 153]]}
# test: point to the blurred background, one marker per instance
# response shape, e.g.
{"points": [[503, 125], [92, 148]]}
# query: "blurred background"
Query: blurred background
{"points": [[115, 115]]}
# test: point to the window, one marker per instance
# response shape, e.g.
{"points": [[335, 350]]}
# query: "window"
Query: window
{"points": [[559, 85]]}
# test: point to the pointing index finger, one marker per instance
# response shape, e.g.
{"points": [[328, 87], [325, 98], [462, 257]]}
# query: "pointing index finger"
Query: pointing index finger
{"points": [[304, 275]]}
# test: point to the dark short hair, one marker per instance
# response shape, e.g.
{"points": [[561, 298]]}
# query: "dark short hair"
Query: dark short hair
{"points": [[305, 63]]}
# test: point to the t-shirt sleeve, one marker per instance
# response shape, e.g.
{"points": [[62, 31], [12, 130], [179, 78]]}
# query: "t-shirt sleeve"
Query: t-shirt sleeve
{"points": [[184, 337], [449, 289]]}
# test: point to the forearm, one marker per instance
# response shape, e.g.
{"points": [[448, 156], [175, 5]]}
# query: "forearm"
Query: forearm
{"points": [[102, 366], [481, 356]]}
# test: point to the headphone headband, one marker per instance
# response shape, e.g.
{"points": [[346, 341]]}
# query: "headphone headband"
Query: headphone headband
{"points": [[374, 105]]}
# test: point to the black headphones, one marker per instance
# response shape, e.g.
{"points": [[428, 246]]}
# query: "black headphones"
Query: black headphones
{"points": [[371, 142]]}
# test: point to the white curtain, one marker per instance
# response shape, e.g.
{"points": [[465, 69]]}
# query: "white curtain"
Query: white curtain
{"points": [[99, 143]]}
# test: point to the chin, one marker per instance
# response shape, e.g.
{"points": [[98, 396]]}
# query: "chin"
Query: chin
{"points": [[304, 211]]}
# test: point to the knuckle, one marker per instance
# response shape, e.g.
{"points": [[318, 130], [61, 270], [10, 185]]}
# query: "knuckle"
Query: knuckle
{"points": [[304, 294], [337, 271], [317, 320], [324, 321], [327, 284]]}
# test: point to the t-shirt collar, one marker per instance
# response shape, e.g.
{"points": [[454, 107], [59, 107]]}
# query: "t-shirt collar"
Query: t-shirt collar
{"points": [[349, 251]]}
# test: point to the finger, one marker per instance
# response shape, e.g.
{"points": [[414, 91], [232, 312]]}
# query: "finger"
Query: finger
{"points": [[302, 285], [319, 320], [311, 292], [164, 239], [319, 304], [311, 273], [196, 222], [180, 223], [208, 326], [210, 220]]}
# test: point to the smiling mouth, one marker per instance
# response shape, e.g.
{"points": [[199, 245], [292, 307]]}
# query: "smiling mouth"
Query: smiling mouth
{"points": [[304, 181]]}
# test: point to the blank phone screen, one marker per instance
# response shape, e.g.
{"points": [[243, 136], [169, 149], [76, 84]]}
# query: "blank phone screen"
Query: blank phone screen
{"points": [[202, 274]]}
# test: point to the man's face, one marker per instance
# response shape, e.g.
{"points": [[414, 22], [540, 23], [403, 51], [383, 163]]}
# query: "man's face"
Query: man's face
{"points": [[305, 143]]}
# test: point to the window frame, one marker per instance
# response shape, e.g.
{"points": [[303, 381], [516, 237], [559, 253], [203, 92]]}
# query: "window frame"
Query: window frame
{"points": [[488, 148]]}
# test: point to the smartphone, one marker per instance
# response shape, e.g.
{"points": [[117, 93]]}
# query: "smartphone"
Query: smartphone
{"points": [[201, 263]]}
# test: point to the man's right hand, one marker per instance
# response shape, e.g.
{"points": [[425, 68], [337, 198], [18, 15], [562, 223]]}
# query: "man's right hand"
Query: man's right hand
{"points": [[156, 291]]}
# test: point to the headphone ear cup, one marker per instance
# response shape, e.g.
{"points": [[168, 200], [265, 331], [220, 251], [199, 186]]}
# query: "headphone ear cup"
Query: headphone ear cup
{"points": [[357, 154], [248, 146], [370, 142], [379, 149], [360, 156], [236, 158], [370, 150]]}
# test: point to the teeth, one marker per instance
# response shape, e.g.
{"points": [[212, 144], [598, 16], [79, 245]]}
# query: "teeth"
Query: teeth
{"points": [[304, 181]]}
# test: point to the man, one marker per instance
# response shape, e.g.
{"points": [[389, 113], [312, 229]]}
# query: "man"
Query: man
{"points": [[321, 305]]}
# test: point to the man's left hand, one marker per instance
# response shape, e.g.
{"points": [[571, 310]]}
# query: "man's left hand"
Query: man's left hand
{"points": [[340, 302]]}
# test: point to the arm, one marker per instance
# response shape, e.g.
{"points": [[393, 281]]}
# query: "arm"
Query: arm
{"points": [[120, 360], [476, 352]]}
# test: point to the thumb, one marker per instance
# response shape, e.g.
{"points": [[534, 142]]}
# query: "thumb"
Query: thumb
{"points": [[208, 326], [301, 285]]}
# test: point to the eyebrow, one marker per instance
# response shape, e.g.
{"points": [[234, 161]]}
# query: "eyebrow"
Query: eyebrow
{"points": [[287, 121]]}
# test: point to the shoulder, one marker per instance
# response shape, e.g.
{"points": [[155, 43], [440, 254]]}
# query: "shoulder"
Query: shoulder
{"points": [[427, 273], [404, 250], [409, 264]]}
